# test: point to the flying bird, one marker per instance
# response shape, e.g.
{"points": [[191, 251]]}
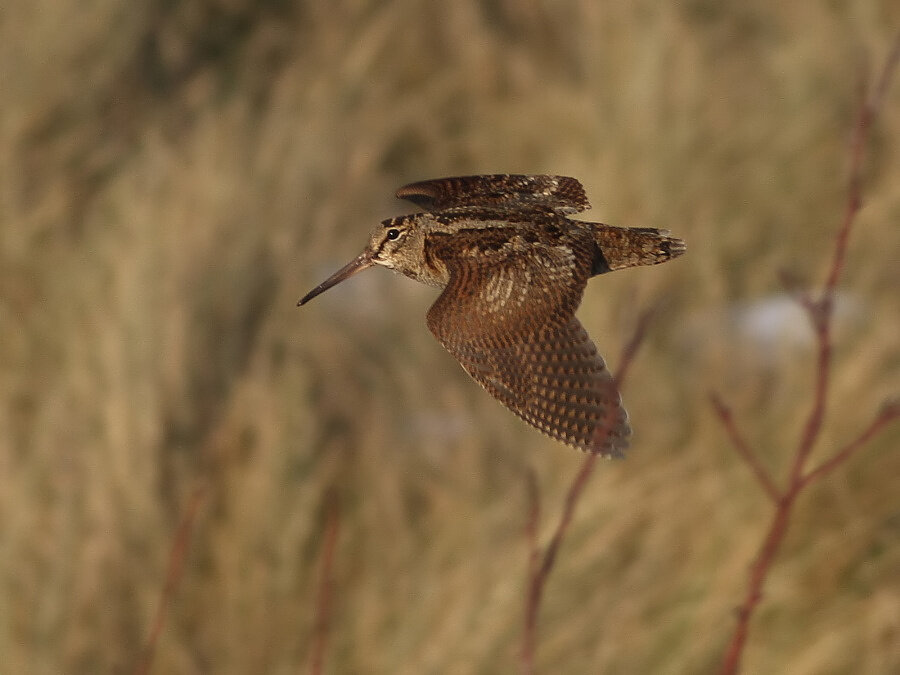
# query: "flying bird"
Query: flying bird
{"points": [[513, 266]]}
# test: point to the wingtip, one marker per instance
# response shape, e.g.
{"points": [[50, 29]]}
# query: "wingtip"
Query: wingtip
{"points": [[614, 448], [611, 442], [677, 247]]}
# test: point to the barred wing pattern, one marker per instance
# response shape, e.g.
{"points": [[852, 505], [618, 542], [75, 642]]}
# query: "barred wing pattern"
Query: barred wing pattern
{"points": [[562, 194], [508, 318]]}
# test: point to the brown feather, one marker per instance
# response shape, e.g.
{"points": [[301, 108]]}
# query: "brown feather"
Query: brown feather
{"points": [[559, 193], [508, 318]]}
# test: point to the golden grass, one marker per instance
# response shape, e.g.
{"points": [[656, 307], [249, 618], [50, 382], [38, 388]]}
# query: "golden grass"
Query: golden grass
{"points": [[174, 178]]}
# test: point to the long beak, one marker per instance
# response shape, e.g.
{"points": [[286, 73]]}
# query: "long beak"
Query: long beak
{"points": [[358, 264]]}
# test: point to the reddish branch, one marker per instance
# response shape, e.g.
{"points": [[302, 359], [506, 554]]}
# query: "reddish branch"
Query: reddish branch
{"points": [[820, 312], [740, 444], [173, 577], [323, 604], [868, 110], [889, 412], [531, 529], [540, 566]]}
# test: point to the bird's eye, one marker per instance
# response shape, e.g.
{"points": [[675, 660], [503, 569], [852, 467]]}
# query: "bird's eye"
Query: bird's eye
{"points": [[393, 233]]}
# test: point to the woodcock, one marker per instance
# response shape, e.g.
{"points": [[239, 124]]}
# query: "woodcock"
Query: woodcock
{"points": [[513, 266]]}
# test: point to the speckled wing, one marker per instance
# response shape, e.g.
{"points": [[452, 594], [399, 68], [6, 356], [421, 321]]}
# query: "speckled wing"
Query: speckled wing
{"points": [[562, 194], [622, 247], [508, 318]]}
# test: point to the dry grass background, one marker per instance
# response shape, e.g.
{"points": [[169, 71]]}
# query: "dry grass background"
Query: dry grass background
{"points": [[175, 175]]}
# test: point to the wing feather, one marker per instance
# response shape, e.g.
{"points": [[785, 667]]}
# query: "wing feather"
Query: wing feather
{"points": [[509, 320], [562, 194]]}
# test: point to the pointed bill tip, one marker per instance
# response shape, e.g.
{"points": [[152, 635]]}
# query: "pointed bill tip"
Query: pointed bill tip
{"points": [[358, 264]]}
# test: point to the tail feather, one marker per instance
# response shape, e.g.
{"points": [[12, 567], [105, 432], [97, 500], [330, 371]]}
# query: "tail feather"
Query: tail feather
{"points": [[632, 246]]}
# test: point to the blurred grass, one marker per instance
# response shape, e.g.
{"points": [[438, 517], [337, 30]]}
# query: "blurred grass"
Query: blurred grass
{"points": [[175, 175]]}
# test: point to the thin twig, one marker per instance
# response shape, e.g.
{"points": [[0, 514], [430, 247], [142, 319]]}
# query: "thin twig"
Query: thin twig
{"points": [[743, 448], [629, 351], [758, 573], [173, 577], [868, 109], [820, 312], [539, 573], [534, 518], [887, 76], [323, 602], [820, 315], [888, 413], [534, 560]]}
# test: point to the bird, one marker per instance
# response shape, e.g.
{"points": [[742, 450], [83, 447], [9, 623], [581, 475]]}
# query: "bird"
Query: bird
{"points": [[513, 265]]}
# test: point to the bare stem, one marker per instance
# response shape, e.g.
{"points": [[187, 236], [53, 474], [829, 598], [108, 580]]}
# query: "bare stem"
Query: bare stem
{"points": [[743, 448], [173, 577], [820, 312], [868, 109], [541, 566], [889, 412], [534, 561], [323, 603]]}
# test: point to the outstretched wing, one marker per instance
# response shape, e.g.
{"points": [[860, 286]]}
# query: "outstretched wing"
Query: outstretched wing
{"points": [[509, 320], [559, 193]]}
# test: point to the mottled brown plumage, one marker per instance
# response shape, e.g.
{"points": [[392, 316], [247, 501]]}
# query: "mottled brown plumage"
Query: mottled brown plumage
{"points": [[513, 267]]}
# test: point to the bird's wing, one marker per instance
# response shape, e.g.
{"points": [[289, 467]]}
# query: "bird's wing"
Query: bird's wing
{"points": [[559, 193], [508, 318]]}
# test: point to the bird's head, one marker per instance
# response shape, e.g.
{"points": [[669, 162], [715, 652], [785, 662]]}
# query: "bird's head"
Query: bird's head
{"points": [[395, 243]]}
